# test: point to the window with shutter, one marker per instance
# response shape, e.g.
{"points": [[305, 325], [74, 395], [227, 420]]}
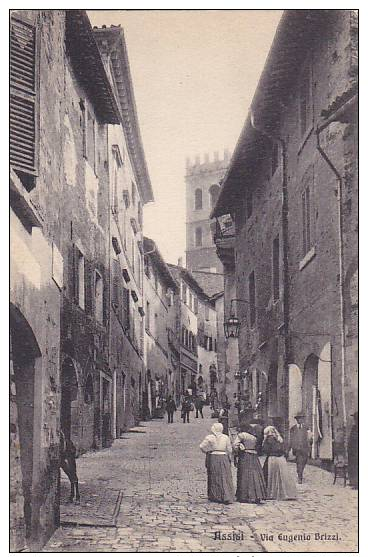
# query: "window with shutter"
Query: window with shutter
{"points": [[23, 98], [126, 310], [116, 289]]}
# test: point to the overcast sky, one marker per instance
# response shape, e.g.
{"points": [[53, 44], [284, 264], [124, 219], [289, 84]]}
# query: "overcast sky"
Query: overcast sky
{"points": [[194, 74]]}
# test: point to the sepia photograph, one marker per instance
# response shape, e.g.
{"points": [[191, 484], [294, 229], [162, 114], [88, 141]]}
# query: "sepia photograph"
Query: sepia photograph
{"points": [[183, 280]]}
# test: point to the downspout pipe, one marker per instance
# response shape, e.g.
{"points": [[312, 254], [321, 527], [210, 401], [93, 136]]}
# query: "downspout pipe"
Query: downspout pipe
{"points": [[339, 179], [285, 252]]}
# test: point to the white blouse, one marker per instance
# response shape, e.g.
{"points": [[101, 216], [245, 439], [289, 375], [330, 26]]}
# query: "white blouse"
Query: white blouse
{"points": [[246, 441], [216, 443]]}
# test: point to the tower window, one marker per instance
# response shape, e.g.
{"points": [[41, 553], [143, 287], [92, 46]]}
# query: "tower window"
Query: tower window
{"points": [[198, 199], [198, 237], [214, 192]]}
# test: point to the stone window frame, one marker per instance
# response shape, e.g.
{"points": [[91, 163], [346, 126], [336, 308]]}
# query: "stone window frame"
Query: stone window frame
{"points": [[198, 199], [80, 268], [198, 236], [305, 93], [98, 290]]}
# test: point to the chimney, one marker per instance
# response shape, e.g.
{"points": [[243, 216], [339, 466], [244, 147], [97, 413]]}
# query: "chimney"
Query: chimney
{"points": [[226, 155], [197, 160], [216, 156], [180, 262], [206, 158], [187, 162]]}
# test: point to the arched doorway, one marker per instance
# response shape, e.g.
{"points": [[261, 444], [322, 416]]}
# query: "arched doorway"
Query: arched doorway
{"points": [[24, 357], [310, 383], [69, 394], [295, 392], [88, 414]]}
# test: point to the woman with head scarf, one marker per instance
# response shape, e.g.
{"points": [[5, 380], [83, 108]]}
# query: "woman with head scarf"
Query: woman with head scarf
{"points": [[251, 487], [218, 451], [280, 484]]}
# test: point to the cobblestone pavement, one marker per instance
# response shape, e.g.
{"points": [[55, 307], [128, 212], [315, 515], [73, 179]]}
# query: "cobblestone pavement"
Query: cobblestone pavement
{"points": [[160, 471]]}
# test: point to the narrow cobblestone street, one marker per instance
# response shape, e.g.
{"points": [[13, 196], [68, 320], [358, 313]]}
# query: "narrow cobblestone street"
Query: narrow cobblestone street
{"points": [[160, 472]]}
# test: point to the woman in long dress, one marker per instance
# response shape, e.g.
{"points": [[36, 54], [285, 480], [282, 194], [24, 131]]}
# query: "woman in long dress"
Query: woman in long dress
{"points": [[251, 487], [280, 484], [218, 451]]}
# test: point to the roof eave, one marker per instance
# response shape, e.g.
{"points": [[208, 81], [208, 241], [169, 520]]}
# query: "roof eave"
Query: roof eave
{"points": [[128, 110], [291, 25]]}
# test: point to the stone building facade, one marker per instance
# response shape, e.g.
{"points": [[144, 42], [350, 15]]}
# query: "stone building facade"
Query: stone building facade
{"points": [[292, 191], [203, 182], [130, 189], [162, 361], [233, 387], [66, 136], [86, 401]]}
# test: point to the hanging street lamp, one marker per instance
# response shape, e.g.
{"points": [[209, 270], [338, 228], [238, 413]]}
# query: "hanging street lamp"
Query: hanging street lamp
{"points": [[232, 323]]}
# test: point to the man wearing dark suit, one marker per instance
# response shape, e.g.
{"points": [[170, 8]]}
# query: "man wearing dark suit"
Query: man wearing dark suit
{"points": [[300, 440]]}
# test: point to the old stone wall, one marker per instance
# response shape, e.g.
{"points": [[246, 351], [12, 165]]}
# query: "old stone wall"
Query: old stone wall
{"points": [[35, 308], [315, 310]]}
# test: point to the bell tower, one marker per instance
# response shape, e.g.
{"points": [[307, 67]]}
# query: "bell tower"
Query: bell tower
{"points": [[203, 183]]}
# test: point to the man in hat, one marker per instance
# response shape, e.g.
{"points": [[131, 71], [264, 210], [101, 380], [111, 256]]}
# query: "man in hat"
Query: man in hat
{"points": [[353, 448], [300, 441]]}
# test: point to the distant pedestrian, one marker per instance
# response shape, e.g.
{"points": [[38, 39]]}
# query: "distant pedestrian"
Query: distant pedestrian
{"points": [[185, 408], [218, 451], [224, 419], [280, 484], [251, 486], [199, 403], [300, 442], [170, 409], [353, 451]]}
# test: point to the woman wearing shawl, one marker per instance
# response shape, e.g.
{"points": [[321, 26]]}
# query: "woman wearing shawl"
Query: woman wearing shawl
{"points": [[218, 451], [280, 484], [251, 487]]}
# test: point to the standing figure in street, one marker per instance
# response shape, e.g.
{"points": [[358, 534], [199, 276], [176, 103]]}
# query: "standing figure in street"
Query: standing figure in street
{"points": [[170, 409], [185, 408], [198, 403], [68, 464], [224, 419], [218, 451], [251, 486], [280, 484], [300, 442], [353, 451]]}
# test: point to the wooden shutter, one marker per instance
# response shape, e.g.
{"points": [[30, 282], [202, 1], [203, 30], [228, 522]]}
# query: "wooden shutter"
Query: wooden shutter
{"points": [[23, 94], [126, 310], [117, 289]]}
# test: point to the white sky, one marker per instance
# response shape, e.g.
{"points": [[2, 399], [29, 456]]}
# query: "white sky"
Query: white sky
{"points": [[194, 74]]}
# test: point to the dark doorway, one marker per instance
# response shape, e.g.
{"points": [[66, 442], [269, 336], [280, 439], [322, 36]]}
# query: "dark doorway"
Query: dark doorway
{"points": [[24, 354], [272, 402], [106, 413], [69, 392]]}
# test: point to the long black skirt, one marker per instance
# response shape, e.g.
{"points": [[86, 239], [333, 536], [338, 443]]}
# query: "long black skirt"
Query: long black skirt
{"points": [[251, 485], [220, 487]]}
